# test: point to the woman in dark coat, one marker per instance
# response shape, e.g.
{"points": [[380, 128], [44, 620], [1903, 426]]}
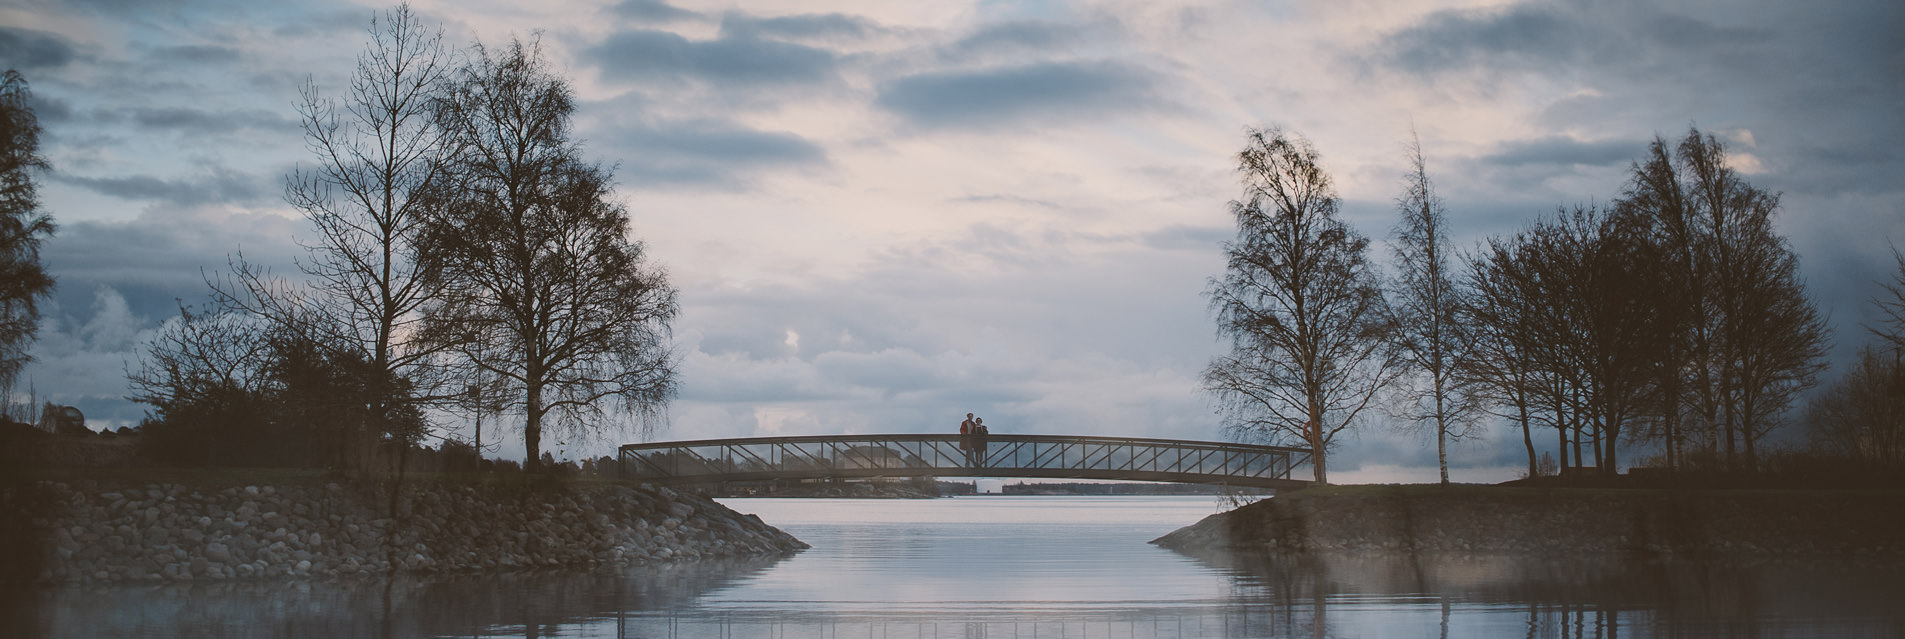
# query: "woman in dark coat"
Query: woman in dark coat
{"points": [[979, 434]]}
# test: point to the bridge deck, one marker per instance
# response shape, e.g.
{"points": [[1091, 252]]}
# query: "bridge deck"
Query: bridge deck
{"points": [[1042, 456]]}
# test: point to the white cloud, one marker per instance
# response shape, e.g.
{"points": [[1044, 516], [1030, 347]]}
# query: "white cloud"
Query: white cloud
{"points": [[83, 362]]}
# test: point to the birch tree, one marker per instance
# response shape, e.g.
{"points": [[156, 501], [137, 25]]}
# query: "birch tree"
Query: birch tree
{"points": [[1299, 304], [1434, 343], [543, 289]]}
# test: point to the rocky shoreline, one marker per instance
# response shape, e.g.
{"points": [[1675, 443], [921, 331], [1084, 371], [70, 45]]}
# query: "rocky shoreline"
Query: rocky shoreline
{"points": [[1495, 520], [96, 532]]}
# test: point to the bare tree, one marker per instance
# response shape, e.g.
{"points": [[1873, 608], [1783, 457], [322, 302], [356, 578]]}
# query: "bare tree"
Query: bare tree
{"points": [[1892, 305], [1299, 304], [1776, 338], [379, 157], [1655, 193], [1566, 334], [1616, 295], [23, 279], [543, 288], [1861, 416], [1434, 341], [1502, 367], [198, 355], [208, 367], [1745, 340]]}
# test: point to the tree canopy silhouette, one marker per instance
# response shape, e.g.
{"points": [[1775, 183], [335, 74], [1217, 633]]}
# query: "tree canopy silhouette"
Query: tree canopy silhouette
{"points": [[24, 281], [379, 156], [542, 287]]}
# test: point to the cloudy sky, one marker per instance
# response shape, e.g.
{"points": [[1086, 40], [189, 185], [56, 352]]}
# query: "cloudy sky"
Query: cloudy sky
{"points": [[883, 215]]}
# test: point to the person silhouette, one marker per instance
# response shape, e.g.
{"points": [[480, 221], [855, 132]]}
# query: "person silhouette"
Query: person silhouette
{"points": [[965, 437], [979, 434]]}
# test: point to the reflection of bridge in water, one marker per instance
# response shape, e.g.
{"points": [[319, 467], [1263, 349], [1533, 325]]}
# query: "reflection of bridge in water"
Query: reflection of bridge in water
{"points": [[1041, 456]]}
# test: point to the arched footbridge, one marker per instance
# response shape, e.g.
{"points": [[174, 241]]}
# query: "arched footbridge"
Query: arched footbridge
{"points": [[1041, 456]]}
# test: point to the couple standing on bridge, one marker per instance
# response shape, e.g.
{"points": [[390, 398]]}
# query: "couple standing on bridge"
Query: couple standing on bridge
{"points": [[972, 439]]}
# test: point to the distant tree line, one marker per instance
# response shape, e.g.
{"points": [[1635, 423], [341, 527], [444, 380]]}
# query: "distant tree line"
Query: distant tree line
{"points": [[464, 257], [1671, 319]]}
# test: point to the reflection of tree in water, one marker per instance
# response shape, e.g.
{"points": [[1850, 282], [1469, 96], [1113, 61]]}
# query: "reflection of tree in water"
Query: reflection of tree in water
{"points": [[1579, 596], [524, 603]]}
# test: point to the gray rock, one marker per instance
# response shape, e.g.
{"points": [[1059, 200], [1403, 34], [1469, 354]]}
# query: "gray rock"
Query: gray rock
{"points": [[218, 552]]}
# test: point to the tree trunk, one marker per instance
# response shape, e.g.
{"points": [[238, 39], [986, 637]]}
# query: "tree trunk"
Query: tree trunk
{"points": [[1316, 452], [1610, 464], [1441, 433], [1528, 439], [532, 428], [1670, 418], [1579, 459], [1561, 434], [1597, 444], [1726, 414]]}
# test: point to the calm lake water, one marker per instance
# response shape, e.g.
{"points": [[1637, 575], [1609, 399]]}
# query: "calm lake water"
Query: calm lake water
{"points": [[996, 567]]}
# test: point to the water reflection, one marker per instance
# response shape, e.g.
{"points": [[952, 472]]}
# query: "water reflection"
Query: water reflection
{"points": [[1220, 621], [1033, 567], [1595, 596], [519, 605]]}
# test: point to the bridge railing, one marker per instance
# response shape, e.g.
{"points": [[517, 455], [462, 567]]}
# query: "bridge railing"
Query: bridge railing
{"points": [[1005, 456]]}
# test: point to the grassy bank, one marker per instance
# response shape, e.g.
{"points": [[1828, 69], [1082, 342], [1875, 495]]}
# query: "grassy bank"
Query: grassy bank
{"points": [[1508, 519]]}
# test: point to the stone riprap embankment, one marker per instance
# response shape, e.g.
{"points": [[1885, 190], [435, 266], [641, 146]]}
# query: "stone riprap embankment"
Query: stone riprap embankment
{"points": [[172, 533], [1557, 521]]}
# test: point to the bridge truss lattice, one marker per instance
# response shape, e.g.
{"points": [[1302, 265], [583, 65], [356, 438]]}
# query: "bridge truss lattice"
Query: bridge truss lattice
{"points": [[1032, 456]]}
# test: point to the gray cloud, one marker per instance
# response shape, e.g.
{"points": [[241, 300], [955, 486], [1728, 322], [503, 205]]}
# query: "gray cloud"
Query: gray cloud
{"points": [[703, 152], [1543, 33], [198, 54], [126, 7], [32, 50], [653, 11], [1004, 96], [203, 121], [49, 109], [1016, 37], [321, 22], [222, 185], [1183, 237], [745, 61], [1811, 85], [161, 258], [1563, 150], [813, 26]]}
